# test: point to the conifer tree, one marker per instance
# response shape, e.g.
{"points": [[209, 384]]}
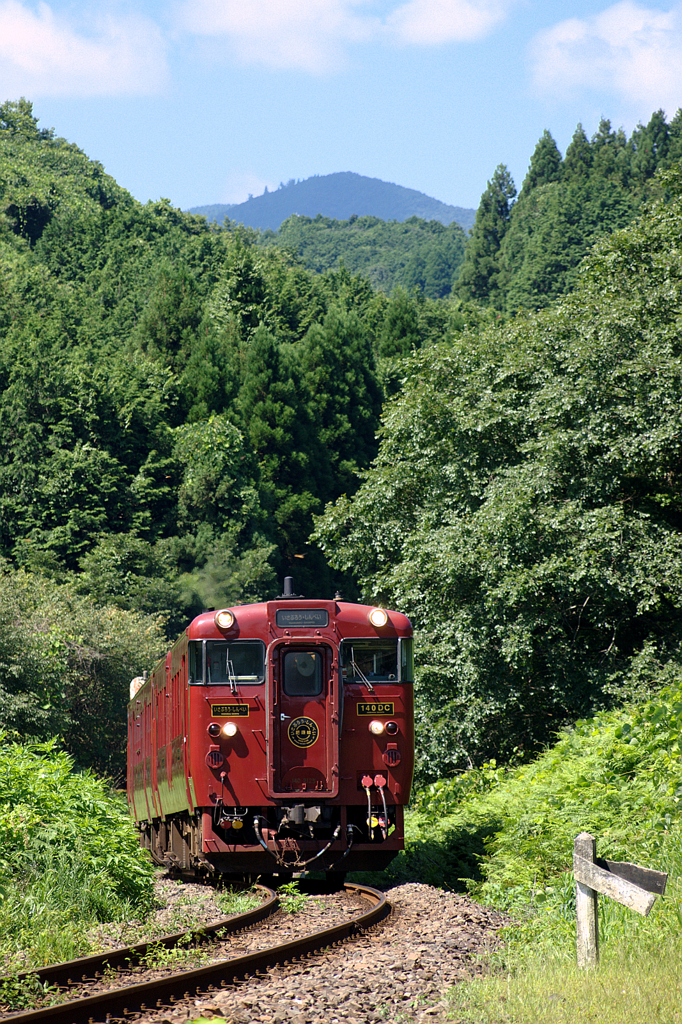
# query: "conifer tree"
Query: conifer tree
{"points": [[649, 147], [674, 154], [400, 334], [578, 159], [278, 425], [545, 165], [343, 395], [483, 274], [609, 153]]}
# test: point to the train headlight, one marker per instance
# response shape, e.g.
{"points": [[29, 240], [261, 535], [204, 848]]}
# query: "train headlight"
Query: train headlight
{"points": [[378, 617], [376, 728], [214, 729], [229, 729], [224, 619]]}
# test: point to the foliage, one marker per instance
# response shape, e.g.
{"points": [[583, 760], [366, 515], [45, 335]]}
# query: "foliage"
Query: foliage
{"points": [[177, 401], [523, 509], [526, 254], [70, 856], [131, 454], [66, 664], [413, 253], [291, 898], [40, 174], [508, 837], [483, 275], [618, 776]]}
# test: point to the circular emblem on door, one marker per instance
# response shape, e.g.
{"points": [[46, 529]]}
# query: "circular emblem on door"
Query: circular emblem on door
{"points": [[303, 732]]}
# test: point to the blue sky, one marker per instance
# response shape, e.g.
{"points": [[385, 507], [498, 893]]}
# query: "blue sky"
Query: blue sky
{"points": [[206, 101]]}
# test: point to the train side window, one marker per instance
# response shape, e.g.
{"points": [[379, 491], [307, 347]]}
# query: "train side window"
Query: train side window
{"points": [[302, 673], [369, 660], [241, 661], [196, 669], [406, 649]]}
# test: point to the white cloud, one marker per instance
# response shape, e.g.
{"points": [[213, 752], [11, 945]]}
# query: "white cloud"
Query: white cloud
{"points": [[306, 34], [41, 54], [431, 22], [633, 51], [314, 35]]}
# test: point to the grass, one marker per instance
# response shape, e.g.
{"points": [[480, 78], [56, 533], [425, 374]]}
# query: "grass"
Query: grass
{"points": [[236, 901], [69, 859], [626, 989], [506, 837], [45, 914], [159, 956], [534, 979]]}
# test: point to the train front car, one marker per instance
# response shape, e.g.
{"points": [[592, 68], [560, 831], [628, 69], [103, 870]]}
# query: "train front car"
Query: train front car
{"points": [[288, 740]]}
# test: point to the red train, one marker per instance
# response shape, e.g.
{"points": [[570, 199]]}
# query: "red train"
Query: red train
{"points": [[275, 738]]}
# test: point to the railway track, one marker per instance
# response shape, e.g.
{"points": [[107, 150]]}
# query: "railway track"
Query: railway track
{"points": [[121, 1003]]}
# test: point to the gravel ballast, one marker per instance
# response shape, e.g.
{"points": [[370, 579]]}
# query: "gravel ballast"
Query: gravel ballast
{"points": [[398, 973]]}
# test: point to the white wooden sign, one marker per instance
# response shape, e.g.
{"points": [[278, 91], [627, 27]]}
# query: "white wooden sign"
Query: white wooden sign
{"points": [[629, 884]]}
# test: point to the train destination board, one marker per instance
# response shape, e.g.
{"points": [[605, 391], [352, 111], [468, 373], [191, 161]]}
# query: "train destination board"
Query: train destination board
{"points": [[297, 618]]}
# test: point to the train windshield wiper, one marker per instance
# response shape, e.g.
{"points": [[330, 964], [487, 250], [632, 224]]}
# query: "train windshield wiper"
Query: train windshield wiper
{"points": [[357, 671], [232, 679]]}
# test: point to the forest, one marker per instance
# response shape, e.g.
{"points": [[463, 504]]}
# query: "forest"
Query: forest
{"points": [[188, 412], [417, 255]]}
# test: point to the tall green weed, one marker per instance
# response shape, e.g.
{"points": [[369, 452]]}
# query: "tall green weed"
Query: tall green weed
{"points": [[506, 835], [69, 857]]}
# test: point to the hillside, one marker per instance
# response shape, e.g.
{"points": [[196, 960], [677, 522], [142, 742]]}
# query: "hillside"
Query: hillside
{"points": [[524, 251], [338, 196], [180, 404], [415, 253]]}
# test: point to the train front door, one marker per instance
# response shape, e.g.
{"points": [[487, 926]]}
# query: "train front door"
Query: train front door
{"points": [[304, 731]]}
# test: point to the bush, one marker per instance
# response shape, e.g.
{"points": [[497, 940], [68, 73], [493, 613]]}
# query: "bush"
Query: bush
{"points": [[70, 856]]}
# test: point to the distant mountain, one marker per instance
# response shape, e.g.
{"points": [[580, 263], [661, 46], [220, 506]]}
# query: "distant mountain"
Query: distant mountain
{"points": [[338, 196]]}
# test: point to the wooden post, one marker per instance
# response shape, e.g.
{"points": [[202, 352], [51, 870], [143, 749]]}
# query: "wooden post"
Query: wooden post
{"points": [[587, 937]]}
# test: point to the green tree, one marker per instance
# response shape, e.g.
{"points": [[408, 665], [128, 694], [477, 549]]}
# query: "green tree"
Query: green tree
{"points": [[525, 508], [293, 466], [66, 665], [40, 174], [171, 318], [545, 165], [483, 277], [552, 230], [610, 154], [579, 157], [649, 147], [400, 331], [344, 399]]}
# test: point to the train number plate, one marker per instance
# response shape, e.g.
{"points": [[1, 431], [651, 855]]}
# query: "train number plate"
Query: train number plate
{"points": [[230, 710], [377, 708]]}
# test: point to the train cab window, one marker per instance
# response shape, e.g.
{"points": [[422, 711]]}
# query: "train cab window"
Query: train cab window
{"points": [[371, 660], [239, 662], [302, 673], [406, 649], [195, 671]]}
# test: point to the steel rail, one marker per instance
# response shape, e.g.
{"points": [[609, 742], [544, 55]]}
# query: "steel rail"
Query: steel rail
{"points": [[71, 972], [119, 1003]]}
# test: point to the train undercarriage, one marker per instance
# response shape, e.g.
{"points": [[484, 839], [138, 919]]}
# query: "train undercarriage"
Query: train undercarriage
{"points": [[282, 840]]}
